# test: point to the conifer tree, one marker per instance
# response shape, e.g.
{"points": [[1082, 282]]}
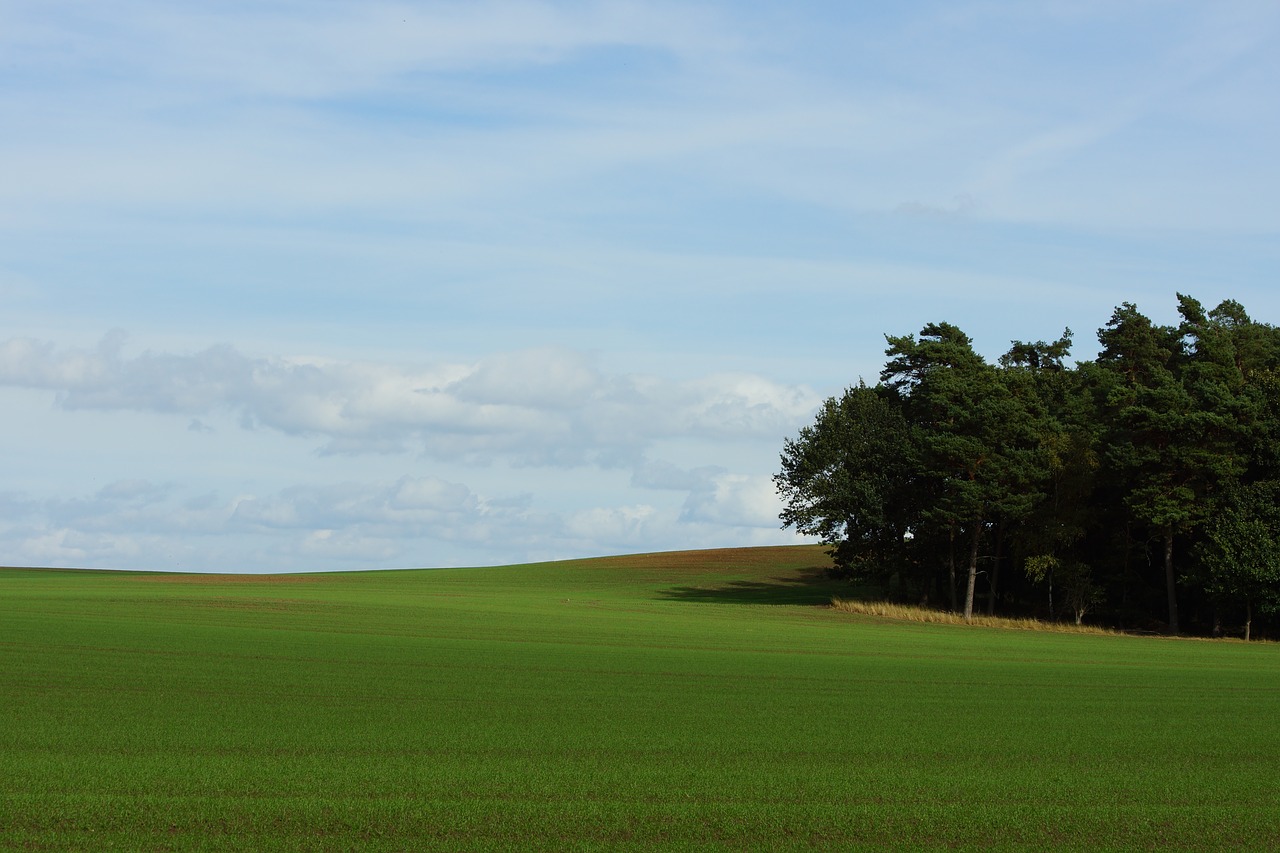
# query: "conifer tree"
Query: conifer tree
{"points": [[1148, 443], [1172, 435], [975, 437]]}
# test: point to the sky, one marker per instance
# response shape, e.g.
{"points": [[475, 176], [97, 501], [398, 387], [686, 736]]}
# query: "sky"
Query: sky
{"points": [[331, 285]]}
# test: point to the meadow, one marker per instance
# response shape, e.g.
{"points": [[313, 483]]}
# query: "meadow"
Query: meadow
{"points": [[695, 700]]}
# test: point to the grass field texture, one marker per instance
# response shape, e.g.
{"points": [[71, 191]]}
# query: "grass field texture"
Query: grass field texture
{"points": [[694, 700]]}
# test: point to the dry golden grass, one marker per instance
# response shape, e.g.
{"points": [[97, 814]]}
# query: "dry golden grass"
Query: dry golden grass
{"points": [[909, 613]]}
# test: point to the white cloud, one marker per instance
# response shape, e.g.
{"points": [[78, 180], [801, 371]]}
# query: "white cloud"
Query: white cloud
{"points": [[412, 521], [430, 494], [410, 504], [51, 548], [613, 527], [133, 491], [329, 546], [70, 547], [735, 500], [660, 474], [433, 111], [543, 407], [551, 378], [309, 50]]}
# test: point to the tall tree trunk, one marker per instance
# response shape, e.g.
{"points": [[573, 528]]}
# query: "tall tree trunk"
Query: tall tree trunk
{"points": [[1051, 617], [995, 569], [1168, 579], [1124, 582], [1248, 619], [951, 565], [973, 569]]}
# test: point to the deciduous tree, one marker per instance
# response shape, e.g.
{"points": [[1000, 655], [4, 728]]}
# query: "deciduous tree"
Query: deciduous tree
{"points": [[848, 479]]}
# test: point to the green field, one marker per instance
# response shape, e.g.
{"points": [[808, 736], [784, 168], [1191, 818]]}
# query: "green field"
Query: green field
{"points": [[696, 700]]}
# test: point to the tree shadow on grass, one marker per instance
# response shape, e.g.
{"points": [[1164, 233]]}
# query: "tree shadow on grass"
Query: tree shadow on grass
{"points": [[806, 587]]}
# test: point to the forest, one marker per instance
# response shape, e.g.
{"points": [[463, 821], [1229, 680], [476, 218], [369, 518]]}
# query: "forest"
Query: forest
{"points": [[1139, 490]]}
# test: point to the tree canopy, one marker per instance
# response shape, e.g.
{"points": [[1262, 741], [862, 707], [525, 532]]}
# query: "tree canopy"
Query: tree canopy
{"points": [[1144, 483]]}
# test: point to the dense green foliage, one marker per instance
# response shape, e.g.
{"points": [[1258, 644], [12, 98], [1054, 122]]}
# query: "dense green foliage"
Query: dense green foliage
{"points": [[682, 701], [1137, 487]]}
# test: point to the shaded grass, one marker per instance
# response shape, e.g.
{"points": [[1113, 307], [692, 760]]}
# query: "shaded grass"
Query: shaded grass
{"points": [[638, 702]]}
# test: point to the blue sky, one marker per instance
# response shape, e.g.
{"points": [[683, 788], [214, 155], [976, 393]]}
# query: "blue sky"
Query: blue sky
{"points": [[338, 285]]}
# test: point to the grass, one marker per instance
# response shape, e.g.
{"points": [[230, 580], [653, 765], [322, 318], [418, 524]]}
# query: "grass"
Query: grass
{"points": [[685, 701], [910, 613]]}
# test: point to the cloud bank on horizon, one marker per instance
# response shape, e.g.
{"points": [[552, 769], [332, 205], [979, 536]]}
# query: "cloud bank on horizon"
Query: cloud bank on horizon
{"points": [[444, 283]]}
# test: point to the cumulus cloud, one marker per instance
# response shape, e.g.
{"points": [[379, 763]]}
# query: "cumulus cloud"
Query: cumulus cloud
{"points": [[491, 419], [549, 378], [543, 406], [411, 504], [410, 521], [735, 500], [622, 526]]}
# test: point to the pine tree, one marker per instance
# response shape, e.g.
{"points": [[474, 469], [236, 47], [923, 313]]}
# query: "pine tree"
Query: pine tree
{"points": [[976, 438]]}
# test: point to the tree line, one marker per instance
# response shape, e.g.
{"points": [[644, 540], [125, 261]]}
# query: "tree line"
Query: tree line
{"points": [[1140, 489]]}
